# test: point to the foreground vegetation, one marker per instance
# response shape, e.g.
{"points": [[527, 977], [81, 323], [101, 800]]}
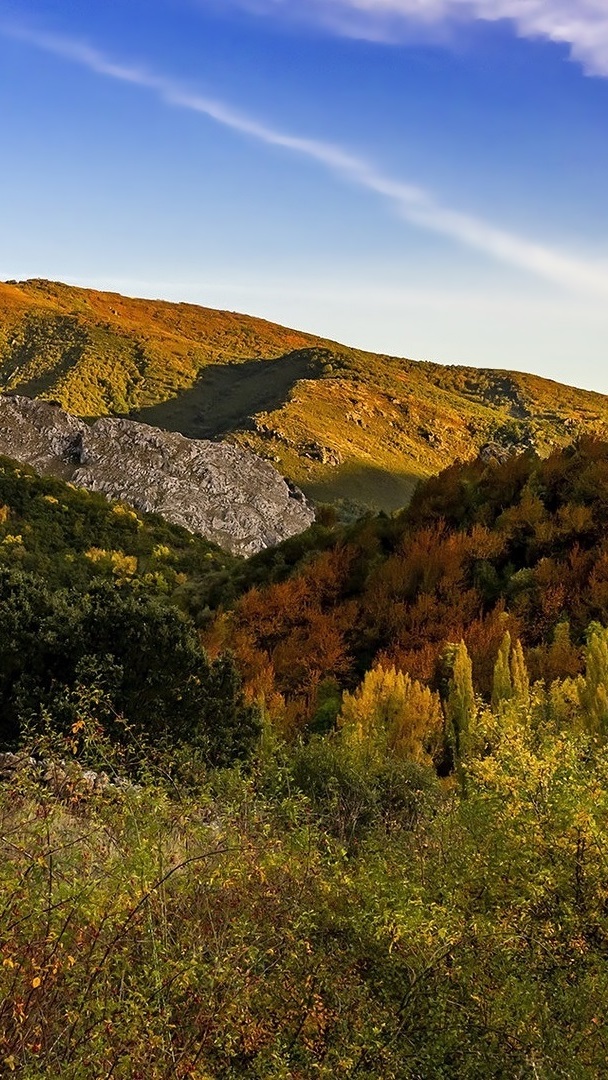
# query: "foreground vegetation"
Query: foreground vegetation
{"points": [[348, 426], [382, 854], [336, 910]]}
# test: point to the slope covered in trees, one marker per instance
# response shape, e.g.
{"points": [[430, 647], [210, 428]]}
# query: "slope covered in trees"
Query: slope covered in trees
{"points": [[483, 548], [94, 608], [342, 423]]}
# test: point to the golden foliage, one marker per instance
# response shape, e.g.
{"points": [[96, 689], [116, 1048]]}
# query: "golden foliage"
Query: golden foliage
{"points": [[391, 711], [119, 564]]}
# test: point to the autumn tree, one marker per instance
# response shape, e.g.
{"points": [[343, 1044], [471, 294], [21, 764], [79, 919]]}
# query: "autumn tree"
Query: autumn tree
{"points": [[461, 707], [502, 686], [520, 680], [511, 679], [392, 712], [593, 686]]}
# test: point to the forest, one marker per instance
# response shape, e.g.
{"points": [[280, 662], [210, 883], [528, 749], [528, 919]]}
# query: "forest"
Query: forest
{"points": [[340, 810], [483, 548]]}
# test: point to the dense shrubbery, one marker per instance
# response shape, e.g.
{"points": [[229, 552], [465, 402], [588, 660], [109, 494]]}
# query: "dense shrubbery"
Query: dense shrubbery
{"points": [[327, 915], [155, 683], [87, 599]]}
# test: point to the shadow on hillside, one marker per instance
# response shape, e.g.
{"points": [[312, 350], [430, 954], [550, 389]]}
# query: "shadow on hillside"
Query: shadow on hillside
{"points": [[226, 397], [365, 487]]}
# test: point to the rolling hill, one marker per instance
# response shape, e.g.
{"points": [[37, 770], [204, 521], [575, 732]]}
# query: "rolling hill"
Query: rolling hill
{"points": [[342, 423]]}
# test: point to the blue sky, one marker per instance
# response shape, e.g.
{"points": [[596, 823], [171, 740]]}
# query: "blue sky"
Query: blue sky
{"points": [[423, 177]]}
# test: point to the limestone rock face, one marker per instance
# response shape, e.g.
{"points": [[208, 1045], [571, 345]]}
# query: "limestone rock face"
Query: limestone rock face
{"points": [[223, 492]]}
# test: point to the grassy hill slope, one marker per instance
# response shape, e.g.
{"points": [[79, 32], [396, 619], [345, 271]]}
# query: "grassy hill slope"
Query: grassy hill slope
{"points": [[340, 422], [73, 538]]}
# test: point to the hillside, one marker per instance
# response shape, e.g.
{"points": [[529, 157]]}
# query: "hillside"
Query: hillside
{"points": [[92, 597], [73, 538], [342, 423], [483, 548]]}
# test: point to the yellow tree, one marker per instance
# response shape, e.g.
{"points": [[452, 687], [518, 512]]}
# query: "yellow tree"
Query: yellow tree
{"points": [[461, 707], [391, 712], [502, 685], [511, 678], [520, 679], [593, 685]]}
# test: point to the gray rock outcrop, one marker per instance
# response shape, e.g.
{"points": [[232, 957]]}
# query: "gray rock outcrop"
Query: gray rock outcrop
{"points": [[225, 493]]}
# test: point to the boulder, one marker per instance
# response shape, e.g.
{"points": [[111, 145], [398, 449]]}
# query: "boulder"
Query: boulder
{"points": [[223, 492]]}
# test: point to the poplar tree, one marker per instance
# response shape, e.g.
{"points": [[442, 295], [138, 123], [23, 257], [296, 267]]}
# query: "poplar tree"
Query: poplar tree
{"points": [[520, 680], [461, 708], [502, 686], [593, 686]]}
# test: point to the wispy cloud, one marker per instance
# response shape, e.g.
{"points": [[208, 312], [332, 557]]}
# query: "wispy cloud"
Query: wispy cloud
{"points": [[412, 203], [579, 25]]}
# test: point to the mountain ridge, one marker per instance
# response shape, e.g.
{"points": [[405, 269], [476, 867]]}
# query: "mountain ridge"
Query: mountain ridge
{"points": [[342, 423]]}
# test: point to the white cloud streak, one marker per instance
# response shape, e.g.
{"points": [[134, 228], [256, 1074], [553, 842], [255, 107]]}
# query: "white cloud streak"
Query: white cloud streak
{"points": [[581, 26], [412, 203]]}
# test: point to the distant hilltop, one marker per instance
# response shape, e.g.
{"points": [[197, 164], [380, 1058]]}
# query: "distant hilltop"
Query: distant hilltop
{"points": [[342, 424]]}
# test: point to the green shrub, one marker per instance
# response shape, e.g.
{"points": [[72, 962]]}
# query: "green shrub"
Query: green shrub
{"points": [[143, 653]]}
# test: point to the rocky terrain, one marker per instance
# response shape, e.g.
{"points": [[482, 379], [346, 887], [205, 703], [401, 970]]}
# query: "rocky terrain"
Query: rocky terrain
{"points": [[223, 492]]}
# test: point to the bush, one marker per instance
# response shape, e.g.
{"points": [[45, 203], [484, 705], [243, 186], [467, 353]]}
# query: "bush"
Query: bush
{"points": [[350, 795], [144, 654]]}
